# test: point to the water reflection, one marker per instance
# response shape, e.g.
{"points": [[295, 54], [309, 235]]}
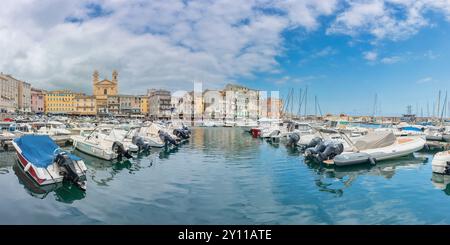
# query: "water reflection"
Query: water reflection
{"points": [[336, 179], [7, 159], [102, 172], [164, 153], [441, 182], [63, 191]]}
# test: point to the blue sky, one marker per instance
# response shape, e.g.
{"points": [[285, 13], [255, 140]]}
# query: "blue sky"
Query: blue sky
{"points": [[406, 72], [345, 51]]}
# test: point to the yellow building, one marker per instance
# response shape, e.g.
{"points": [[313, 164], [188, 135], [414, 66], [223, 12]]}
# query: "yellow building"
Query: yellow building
{"points": [[144, 105], [104, 88], [60, 102], [85, 105]]}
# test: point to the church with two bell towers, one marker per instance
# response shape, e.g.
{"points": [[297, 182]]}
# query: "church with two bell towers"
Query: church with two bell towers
{"points": [[102, 89]]}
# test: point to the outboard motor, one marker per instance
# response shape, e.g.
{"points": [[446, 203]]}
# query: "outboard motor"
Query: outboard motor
{"points": [[166, 138], [180, 133], [294, 138], [120, 150], [187, 130], [69, 171], [139, 141], [312, 151], [325, 150], [314, 142], [331, 150]]}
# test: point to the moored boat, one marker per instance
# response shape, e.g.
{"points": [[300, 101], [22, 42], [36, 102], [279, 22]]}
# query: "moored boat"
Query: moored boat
{"points": [[46, 163], [373, 147], [106, 143], [441, 163]]}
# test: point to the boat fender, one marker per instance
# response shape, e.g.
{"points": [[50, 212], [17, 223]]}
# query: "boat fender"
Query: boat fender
{"points": [[27, 167]]}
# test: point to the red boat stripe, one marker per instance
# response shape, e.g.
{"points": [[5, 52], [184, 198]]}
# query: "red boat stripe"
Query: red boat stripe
{"points": [[33, 174]]}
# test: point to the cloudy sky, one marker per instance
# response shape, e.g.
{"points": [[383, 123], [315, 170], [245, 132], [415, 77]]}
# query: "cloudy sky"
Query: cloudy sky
{"points": [[345, 51]]}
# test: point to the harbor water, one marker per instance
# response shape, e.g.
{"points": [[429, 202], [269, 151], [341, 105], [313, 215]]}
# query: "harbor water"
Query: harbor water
{"points": [[224, 176]]}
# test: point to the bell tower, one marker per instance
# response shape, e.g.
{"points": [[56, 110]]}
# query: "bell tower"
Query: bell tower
{"points": [[95, 77], [94, 82], [115, 74]]}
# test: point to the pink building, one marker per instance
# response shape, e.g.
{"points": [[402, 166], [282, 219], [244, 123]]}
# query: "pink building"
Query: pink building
{"points": [[37, 100]]}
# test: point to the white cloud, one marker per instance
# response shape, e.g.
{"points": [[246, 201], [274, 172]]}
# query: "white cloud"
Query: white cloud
{"points": [[159, 43], [305, 13], [288, 79], [387, 19], [170, 43], [431, 55], [327, 51], [390, 60], [370, 55], [424, 80]]}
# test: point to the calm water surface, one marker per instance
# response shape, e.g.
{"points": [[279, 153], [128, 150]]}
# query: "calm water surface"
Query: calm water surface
{"points": [[223, 176]]}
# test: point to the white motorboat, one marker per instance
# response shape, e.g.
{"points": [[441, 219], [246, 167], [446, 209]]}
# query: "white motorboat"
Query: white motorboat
{"points": [[105, 143], [441, 163], [150, 134], [229, 123], [373, 147], [213, 123], [404, 129], [266, 128], [53, 128], [83, 129]]}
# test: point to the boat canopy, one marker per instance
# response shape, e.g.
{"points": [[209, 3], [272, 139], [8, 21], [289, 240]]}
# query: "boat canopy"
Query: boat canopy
{"points": [[377, 139], [39, 149]]}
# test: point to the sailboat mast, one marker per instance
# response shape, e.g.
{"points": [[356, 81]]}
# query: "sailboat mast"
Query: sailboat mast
{"points": [[320, 110], [315, 105], [306, 98], [375, 106], [292, 103], [300, 102], [444, 108], [439, 104]]}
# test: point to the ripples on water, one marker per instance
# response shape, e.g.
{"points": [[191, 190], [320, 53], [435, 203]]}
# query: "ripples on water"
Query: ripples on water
{"points": [[223, 176]]}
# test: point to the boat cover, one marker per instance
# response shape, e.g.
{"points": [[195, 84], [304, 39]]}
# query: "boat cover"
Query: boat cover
{"points": [[375, 139], [411, 128], [39, 149]]}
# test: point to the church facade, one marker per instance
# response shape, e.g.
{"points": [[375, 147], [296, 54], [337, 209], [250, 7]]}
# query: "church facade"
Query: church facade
{"points": [[102, 89]]}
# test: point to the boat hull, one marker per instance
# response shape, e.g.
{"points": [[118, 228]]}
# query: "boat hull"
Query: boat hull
{"points": [[382, 154], [441, 162], [94, 150], [446, 137]]}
